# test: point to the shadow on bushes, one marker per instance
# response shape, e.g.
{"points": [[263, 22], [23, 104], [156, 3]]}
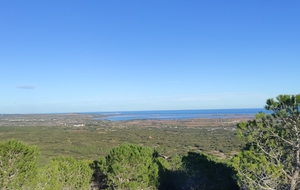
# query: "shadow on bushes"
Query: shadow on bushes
{"points": [[199, 171], [99, 179]]}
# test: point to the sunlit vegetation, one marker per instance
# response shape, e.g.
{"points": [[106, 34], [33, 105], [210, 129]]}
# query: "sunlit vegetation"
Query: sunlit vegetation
{"points": [[171, 157], [126, 166], [271, 157], [101, 152], [90, 142]]}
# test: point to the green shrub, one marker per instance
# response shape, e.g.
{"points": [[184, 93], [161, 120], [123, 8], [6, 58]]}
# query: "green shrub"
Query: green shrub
{"points": [[66, 173], [132, 167], [18, 165]]}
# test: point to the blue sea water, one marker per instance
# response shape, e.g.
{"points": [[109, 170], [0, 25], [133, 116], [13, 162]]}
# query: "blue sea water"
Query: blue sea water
{"points": [[178, 114]]}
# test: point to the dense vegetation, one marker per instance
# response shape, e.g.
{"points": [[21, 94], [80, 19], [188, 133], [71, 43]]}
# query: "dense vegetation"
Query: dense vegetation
{"points": [[126, 166], [163, 148], [270, 158], [90, 142]]}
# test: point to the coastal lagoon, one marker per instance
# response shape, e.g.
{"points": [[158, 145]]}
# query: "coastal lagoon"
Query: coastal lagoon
{"points": [[177, 114]]}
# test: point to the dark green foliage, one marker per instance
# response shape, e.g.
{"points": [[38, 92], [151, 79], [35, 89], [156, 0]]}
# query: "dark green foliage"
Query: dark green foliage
{"points": [[125, 167], [18, 165], [199, 171], [99, 179], [205, 172], [271, 156]]}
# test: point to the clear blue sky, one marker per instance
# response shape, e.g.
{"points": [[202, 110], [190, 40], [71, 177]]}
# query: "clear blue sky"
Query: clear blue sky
{"points": [[109, 55]]}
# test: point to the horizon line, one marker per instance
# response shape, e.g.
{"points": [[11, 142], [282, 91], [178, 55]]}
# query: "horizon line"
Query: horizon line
{"points": [[86, 112]]}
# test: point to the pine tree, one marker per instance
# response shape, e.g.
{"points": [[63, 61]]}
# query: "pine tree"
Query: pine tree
{"points": [[132, 167], [66, 173], [18, 165], [270, 159]]}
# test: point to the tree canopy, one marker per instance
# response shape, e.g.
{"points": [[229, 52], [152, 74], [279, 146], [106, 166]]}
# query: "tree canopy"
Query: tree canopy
{"points": [[66, 173], [132, 167], [271, 156], [18, 165]]}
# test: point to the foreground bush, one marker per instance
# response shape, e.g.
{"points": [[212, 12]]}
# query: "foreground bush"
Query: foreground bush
{"points": [[127, 166], [66, 173], [18, 165], [132, 167], [198, 171]]}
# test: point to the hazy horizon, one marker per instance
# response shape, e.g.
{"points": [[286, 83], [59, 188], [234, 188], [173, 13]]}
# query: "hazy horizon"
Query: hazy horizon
{"points": [[122, 111], [75, 56]]}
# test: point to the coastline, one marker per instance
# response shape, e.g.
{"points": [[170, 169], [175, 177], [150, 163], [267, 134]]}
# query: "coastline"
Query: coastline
{"points": [[177, 114], [81, 120]]}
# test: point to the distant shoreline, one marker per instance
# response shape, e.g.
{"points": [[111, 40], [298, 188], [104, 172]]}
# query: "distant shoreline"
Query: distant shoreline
{"points": [[177, 114]]}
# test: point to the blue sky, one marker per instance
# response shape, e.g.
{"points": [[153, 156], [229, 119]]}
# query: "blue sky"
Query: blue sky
{"points": [[109, 55]]}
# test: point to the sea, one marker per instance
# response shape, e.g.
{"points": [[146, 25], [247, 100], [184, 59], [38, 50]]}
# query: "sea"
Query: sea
{"points": [[177, 114]]}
